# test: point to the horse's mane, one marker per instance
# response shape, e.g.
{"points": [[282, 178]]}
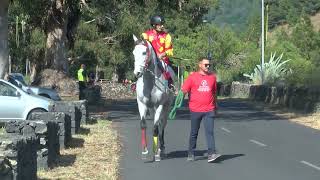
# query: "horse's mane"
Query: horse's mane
{"points": [[143, 42]]}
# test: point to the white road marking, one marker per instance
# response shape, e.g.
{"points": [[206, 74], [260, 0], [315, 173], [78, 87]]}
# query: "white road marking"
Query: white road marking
{"points": [[257, 142], [311, 165], [226, 130]]}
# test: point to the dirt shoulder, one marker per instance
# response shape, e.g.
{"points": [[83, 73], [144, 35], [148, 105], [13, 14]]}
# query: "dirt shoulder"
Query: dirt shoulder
{"points": [[93, 154]]}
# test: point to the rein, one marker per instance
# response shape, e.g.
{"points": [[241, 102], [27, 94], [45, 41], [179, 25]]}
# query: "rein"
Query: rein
{"points": [[146, 65], [147, 60]]}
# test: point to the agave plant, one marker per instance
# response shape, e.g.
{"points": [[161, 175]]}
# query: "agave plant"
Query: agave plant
{"points": [[274, 70]]}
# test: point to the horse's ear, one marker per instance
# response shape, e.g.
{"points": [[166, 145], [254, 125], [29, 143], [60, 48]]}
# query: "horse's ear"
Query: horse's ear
{"points": [[135, 38]]}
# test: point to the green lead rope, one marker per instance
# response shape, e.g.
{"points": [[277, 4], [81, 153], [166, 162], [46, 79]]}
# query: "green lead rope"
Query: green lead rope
{"points": [[177, 104]]}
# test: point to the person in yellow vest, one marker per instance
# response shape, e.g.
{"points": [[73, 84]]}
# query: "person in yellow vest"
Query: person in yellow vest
{"points": [[82, 78]]}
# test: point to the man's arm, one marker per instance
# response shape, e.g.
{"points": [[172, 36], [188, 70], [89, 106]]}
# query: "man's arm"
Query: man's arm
{"points": [[186, 86]]}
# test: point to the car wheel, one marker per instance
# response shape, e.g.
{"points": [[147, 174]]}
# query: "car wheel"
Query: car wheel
{"points": [[34, 111]]}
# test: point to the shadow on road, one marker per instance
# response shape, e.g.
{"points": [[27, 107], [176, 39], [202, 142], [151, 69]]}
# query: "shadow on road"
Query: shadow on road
{"points": [[230, 110], [225, 157], [200, 155], [222, 158], [184, 154]]}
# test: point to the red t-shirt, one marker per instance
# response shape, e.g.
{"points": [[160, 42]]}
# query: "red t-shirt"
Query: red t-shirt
{"points": [[202, 90]]}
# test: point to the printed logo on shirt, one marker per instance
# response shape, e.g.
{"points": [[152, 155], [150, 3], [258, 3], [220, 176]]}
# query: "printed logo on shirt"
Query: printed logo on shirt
{"points": [[204, 86]]}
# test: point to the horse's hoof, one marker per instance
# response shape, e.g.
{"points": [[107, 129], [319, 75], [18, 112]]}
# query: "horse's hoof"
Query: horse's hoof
{"points": [[144, 154]]}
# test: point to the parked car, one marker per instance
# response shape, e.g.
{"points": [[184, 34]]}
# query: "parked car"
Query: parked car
{"points": [[18, 80], [17, 104]]}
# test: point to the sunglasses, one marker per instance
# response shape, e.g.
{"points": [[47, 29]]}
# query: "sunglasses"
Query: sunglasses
{"points": [[206, 65]]}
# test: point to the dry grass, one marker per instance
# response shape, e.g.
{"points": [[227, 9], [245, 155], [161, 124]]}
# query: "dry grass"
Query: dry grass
{"points": [[70, 98], [310, 120], [316, 21], [94, 154]]}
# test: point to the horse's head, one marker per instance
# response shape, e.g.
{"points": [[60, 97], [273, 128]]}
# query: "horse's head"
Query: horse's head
{"points": [[142, 54]]}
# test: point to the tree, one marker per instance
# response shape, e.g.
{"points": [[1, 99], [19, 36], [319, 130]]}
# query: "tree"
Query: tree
{"points": [[116, 21], [61, 19], [304, 29], [4, 57], [57, 20]]}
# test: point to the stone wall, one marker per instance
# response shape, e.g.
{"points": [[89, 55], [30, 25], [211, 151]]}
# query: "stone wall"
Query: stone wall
{"points": [[297, 98], [69, 109], [6, 169], [112, 90], [82, 106], [64, 123], [93, 94], [46, 133], [223, 89], [30, 145], [18, 157]]}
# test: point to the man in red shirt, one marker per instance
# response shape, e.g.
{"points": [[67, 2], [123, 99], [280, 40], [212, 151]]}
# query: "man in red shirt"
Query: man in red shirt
{"points": [[162, 43], [202, 89]]}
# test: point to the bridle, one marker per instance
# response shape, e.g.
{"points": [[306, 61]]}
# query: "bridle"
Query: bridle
{"points": [[147, 56], [146, 65], [147, 59]]}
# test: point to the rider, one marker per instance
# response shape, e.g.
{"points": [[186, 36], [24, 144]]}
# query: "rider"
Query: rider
{"points": [[161, 42]]}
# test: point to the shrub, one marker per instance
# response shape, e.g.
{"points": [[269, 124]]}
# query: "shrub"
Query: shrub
{"points": [[273, 71]]}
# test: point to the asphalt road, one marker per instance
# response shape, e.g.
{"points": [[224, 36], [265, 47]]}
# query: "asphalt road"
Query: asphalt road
{"points": [[255, 146]]}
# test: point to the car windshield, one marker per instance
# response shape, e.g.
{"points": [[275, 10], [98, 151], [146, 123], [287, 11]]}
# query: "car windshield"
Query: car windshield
{"points": [[18, 82], [20, 79]]}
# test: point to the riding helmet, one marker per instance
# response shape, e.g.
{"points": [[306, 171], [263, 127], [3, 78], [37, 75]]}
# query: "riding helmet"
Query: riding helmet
{"points": [[157, 19]]}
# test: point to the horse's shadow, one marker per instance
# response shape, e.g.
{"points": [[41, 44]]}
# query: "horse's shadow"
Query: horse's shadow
{"points": [[200, 155]]}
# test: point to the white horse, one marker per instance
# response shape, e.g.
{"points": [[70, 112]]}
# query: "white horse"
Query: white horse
{"points": [[153, 94]]}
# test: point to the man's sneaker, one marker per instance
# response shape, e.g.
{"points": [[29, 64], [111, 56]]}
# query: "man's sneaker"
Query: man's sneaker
{"points": [[213, 157], [190, 157]]}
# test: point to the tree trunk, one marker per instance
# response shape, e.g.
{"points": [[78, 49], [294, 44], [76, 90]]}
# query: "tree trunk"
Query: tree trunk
{"points": [[4, 51], [34, 72], [97, 76], [56, 49]]}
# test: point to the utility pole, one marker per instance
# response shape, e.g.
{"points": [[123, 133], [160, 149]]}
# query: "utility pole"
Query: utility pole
{"points": [[10, 64], [262, 41], [209, 43]]}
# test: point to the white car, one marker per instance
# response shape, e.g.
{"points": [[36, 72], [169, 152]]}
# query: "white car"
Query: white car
{"points": [[16, 104], [17, 79]]}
